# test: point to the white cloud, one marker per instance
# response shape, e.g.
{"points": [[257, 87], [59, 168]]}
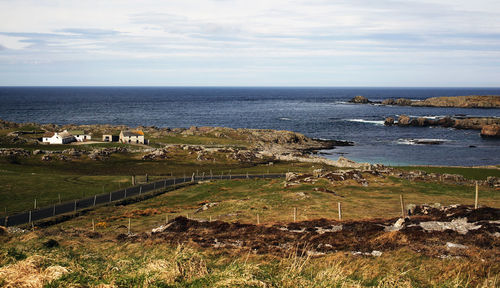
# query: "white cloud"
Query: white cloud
{"points": [[410, 31]]}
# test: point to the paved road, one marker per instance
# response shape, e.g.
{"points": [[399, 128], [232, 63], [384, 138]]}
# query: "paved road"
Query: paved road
{"points": [[73, 206]]}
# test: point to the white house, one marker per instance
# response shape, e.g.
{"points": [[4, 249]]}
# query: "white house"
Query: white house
{"points": [[80, 135], [132, 137], [58, 138]]}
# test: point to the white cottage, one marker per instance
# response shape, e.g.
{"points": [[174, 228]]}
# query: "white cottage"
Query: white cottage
{"points": [[58, 138], [132, 137], [80, 135]]}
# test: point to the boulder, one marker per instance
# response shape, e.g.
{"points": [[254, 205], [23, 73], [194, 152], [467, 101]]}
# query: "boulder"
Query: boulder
{"points": [[492, 130], [389, 121], [403, 102], [360, 100], [389, 101], [404, 120]]}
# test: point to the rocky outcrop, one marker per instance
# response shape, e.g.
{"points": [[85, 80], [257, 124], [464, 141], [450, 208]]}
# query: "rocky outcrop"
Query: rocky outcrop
{"points": [[492, 130], [472, 101], [389, 121], [475, 123], [360, 100]]}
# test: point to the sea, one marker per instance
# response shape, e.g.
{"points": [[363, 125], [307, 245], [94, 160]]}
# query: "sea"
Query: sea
{"points": [[319, 112]]}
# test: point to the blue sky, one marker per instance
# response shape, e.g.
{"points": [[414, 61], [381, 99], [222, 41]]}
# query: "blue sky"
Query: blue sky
{"points": [[250, 43]]}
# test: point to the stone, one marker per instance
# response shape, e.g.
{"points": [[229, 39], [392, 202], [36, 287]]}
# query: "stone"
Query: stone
{"points": [[492, 130], [389, 121], [404, 120], [403, 102], [389, 101], [360, 100]]}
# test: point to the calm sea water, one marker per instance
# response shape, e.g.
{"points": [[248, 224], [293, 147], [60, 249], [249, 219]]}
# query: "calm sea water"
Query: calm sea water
{"points": [[316, 112]]}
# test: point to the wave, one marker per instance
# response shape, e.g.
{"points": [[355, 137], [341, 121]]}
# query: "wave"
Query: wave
{"points": [[410, 141], [285, 119], [376, 122]]}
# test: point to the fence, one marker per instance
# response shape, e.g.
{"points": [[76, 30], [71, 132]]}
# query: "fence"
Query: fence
{"points": [[79, 204]]}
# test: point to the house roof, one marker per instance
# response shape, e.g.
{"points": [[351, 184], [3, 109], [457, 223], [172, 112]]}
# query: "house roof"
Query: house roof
{"points": [[77, 132], [65, 134], [132, 133], [48, 134]]}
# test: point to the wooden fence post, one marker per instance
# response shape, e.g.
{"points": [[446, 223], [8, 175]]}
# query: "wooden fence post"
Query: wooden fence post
{"points": [[93, 225], [477, 196], [402, 205], [294, 214], [95, 198], [128, 228], [340, 210], [125, 193], [35, 204], [75, 206], [166, 219], [258, 219], [110, 196], [54, 210], [29, 219]]}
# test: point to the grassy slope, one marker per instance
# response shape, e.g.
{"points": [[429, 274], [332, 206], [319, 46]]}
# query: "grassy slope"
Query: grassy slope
{"points": [[93, 261]]}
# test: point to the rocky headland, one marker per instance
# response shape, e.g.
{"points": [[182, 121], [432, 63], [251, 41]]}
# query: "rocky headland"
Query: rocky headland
{"points": [[249, 145], [489, 126], [471, 101]]}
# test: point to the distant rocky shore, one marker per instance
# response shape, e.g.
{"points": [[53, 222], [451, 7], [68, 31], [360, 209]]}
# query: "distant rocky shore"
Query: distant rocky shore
{"points": [[489, 126], [471, 101]]}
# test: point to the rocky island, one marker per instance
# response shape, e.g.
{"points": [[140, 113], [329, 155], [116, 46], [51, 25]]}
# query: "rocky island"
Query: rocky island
{"points": [[471, 101]]}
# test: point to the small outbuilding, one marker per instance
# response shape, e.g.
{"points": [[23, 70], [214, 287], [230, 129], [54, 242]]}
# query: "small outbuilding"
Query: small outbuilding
{"points": [[132, 137], [80, 135], [110, 138]]}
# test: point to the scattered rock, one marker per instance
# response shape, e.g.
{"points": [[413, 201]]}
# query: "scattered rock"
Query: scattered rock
{"points": [[492, 130], [456, 246], [360, 100], [389, 121]]}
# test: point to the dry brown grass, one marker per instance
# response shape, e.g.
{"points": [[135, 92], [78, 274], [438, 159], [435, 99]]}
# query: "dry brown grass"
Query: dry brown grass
{"points": [[30, 273]]}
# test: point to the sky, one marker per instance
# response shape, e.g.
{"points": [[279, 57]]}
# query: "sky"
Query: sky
{"points": [[414, 43]]}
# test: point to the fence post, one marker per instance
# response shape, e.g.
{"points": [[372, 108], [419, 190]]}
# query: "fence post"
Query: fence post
{"points": [[110, 196], [211, 175], [174, 181], [140, 190], [258, 219], [133, 180], [192, 178], [340, 211], [125, 193], [294, 214], [35, 205], [247, 175], [5, 221], [93, 225], [128, 230], [402, 206], [165, 183], [477, 196], [184, 177], [29, 219], [95, 198], [75, 206], [166, 219], [54, 210], [147, 178]]}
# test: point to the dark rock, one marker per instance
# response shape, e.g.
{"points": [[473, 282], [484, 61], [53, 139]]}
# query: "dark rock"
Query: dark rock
{"points": [[446, 122], [360, 100], [389, 121], [51, 243]]}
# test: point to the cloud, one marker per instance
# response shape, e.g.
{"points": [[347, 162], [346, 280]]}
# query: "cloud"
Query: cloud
{"points": [[330, 35]]}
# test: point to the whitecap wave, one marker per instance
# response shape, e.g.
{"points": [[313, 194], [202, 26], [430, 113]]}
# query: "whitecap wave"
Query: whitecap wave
{"points": [[410, 141], [285, 119], [376, 122]]}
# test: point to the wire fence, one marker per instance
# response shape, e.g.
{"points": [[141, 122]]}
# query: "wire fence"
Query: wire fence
{"points": [[31, 216]]}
